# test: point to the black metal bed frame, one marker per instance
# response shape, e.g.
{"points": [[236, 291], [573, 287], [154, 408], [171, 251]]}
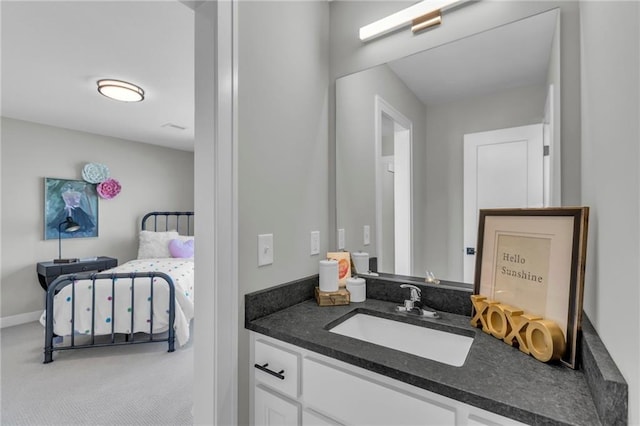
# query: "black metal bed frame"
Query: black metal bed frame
{"points": [[129, 338], [186, 225]]}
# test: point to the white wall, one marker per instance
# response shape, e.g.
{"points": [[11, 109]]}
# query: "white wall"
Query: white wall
{"points": [[610, 180], [208, 358], [355, 153], [152, 178], [282, 147]]}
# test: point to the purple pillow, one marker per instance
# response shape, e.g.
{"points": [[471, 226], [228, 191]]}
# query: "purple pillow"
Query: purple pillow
{"points": [[181, 248]]}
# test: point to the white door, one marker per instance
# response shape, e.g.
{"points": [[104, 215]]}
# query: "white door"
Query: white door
{"points": [[402, 201], [502, 168], [386, 249]]}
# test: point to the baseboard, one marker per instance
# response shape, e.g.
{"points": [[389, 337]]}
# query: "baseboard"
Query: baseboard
{"points": [[19, 319]]}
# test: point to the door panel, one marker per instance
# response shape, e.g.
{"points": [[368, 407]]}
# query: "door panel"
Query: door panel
{"points": [[271, 410], [494, 162], [502, 168]]}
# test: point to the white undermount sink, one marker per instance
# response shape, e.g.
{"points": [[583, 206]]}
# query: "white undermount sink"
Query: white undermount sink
{"points": [[441, 346]]}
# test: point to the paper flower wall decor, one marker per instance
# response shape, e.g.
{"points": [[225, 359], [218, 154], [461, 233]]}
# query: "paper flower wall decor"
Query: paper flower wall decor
{"points": [[108, 188], [95, 172], [99, 175]]}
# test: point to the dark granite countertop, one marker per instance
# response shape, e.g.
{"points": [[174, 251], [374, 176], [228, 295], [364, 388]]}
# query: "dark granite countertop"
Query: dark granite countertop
{"points": [[495, 376]]}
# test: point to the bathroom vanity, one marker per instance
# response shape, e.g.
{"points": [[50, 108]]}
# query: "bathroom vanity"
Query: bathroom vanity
{"points": [[315, 376], [321, 390]]}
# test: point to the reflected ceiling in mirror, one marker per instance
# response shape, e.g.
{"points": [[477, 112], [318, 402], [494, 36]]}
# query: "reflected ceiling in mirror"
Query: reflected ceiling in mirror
{"points": [[495, 79], [513, 55]]}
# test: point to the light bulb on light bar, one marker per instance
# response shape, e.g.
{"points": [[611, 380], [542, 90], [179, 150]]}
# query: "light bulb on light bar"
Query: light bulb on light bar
{"points": [[120, 90], [404, 17], [427, 21]]}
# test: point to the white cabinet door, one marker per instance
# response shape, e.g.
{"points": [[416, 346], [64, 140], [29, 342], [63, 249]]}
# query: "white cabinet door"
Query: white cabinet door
{"points": [[271, 410], [359, 401], [309, 418]]}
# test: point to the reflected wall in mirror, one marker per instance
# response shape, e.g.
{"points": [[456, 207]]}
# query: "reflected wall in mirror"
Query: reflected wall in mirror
{"points": [[502, 78]]}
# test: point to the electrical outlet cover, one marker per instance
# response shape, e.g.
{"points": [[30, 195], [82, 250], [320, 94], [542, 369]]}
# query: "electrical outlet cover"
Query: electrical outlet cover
{"points": [[265, 249], [315, 242], [341, 238]]}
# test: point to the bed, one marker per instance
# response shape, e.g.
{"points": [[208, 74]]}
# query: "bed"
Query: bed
{"points": [[146, 300]]}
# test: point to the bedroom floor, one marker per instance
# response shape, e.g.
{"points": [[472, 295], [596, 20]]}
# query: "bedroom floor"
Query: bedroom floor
{"points": [[128, 385]]}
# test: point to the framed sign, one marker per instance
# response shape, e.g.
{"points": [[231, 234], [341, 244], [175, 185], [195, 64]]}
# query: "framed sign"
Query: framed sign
{"points": [[534, 259]]}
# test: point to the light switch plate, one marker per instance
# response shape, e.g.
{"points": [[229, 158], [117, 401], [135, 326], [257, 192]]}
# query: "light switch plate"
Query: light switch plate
{"points": [[265, 249], [315, 242], [340, 239], [367, 235]]}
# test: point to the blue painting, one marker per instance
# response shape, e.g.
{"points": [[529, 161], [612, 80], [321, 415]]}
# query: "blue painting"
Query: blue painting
{"points": [[70, 198]]}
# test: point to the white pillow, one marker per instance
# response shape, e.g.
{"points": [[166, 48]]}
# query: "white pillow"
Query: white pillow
{"points": [[155, 245], [185, 238]]}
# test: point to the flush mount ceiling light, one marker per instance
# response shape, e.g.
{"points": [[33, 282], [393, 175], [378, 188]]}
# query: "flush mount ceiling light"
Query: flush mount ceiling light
{"points": [[120, 90], [420, 16]]}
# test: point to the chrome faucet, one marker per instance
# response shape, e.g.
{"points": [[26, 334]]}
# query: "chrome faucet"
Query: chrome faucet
{"points": [[414, 303], [415, 297]]}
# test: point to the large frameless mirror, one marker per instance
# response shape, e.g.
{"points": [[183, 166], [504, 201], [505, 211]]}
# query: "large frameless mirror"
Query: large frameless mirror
{"points": [[408, 133]]}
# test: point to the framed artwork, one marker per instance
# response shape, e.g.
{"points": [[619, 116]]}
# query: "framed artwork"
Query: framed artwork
{"points": [[75, 198], [534, 259], [344, 266]]}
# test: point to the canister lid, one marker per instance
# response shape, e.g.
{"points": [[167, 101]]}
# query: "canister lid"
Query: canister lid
{"points": [[355, 282]]}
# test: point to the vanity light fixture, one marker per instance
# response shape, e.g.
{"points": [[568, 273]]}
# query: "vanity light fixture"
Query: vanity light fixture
{"points": [[420, 16], [427, 21], [120, 90]]}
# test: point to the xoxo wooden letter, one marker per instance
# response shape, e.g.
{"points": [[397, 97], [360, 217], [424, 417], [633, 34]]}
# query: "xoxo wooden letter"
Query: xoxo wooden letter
{"points": [[532, 334], [481, 305], [518, 322]]}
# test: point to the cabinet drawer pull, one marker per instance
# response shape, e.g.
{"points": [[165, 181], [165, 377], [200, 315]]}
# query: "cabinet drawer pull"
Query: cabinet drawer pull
{"points": [[264, 368]]}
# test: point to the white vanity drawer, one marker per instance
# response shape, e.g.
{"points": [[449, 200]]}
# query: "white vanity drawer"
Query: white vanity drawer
{"points": [[277, 368]]}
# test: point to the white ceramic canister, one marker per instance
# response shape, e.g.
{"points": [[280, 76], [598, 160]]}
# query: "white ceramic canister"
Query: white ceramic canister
{"points": [[361, 262], [328, 275], [358, 289]]}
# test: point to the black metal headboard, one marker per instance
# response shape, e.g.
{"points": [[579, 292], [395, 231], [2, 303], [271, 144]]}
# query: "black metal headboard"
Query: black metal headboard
{"points": [[179, 221]]}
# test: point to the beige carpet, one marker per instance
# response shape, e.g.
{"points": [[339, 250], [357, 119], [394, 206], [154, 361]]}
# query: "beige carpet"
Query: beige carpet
{"points": [[129, 385]]}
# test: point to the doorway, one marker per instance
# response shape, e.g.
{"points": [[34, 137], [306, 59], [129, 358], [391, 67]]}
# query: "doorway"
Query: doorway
{"points": [[394, 218]]}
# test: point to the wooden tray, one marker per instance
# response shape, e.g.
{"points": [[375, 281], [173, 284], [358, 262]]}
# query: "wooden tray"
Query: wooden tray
{"points": [[333, 298]]}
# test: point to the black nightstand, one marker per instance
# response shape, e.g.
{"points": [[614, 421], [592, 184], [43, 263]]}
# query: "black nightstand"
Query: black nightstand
{"points": [[49, 271]]}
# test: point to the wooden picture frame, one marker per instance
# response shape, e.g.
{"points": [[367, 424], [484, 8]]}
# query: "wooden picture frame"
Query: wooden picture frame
{"points": [[534, 259]]}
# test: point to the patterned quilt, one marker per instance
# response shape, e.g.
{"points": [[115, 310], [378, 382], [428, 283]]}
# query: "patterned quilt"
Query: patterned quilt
{"points": [[180, 270]]}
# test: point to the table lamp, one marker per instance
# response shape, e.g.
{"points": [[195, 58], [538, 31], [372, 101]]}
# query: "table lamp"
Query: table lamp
{"points": [[68, 225]]}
